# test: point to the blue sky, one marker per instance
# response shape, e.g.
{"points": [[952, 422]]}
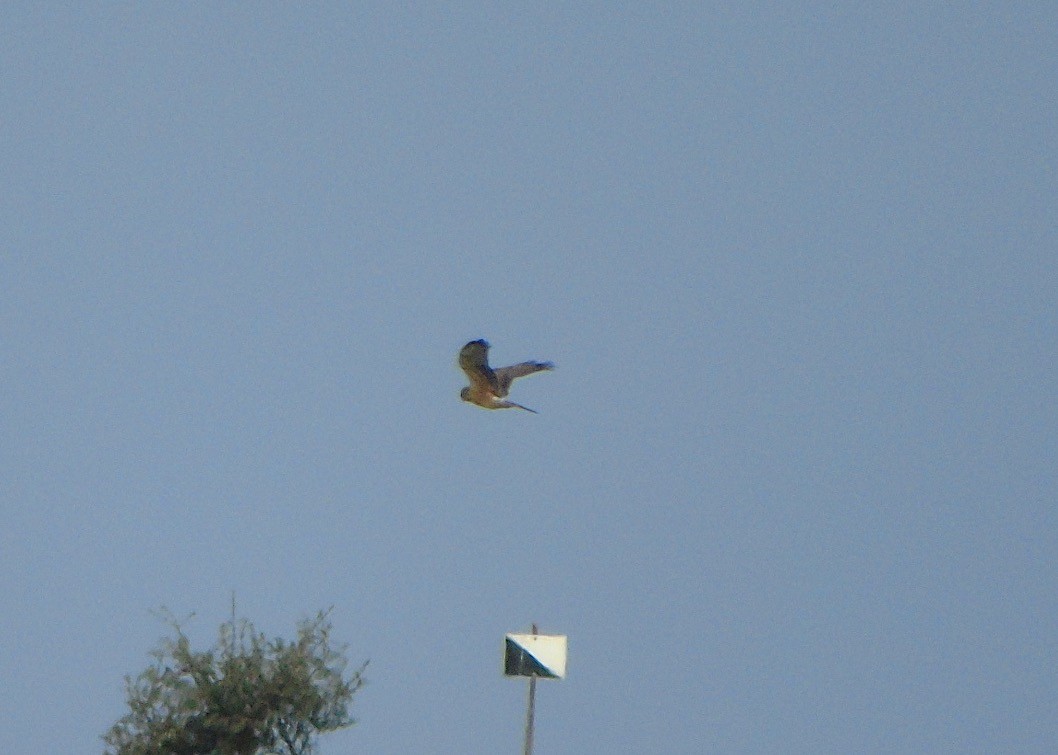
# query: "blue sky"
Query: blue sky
{"points": [[792, 485]]}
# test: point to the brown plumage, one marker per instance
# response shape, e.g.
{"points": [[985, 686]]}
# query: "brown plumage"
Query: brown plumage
{"points": [[488, 387]]}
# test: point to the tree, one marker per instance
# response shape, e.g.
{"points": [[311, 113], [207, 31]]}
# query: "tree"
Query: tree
{"points": [[246, 696]]}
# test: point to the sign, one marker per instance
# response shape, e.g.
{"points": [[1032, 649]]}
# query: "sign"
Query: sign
{"points": [[541, 655]]}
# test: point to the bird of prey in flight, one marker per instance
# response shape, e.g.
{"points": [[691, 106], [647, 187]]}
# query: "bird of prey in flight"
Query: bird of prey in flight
{"points": [[489, 387]]}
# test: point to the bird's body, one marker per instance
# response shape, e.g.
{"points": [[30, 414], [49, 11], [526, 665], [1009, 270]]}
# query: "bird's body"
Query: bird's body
{"points": [[488, 387]]}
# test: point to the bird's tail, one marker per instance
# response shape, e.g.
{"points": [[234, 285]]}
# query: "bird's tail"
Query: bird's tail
{"points": [[512, 405]]}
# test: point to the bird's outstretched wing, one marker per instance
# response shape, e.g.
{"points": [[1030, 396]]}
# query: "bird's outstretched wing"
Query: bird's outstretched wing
{"points": [[506, 375], [474, 361]]}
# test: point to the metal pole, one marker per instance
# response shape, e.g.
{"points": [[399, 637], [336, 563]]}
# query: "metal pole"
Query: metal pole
{"points": [[529, 714]]}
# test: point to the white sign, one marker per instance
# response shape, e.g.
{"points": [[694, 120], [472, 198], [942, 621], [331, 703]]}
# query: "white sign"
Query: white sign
{"points": [[542, 655]]}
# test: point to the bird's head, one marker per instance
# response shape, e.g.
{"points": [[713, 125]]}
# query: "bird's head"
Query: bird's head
{"points": [[465, 394]]}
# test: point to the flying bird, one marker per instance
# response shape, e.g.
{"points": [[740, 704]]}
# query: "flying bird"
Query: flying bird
{"points": [[488, 387]]}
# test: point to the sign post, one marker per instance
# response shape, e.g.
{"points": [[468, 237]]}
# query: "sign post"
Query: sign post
{"points": [[530, 713], [534, 655]]}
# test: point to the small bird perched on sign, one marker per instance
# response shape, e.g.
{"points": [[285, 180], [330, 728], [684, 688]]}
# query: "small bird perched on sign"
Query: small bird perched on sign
{"points": [[488, 387]]}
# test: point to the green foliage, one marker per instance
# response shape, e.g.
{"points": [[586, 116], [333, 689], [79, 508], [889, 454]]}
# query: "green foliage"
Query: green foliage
{"points": [[246, 696]]}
